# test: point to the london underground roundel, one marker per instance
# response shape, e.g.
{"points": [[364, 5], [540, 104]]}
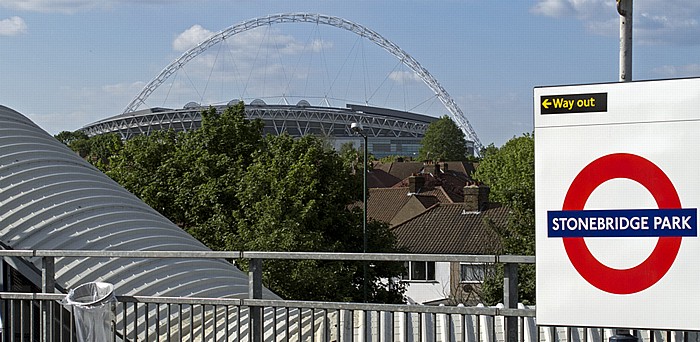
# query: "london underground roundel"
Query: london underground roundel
{"points": [[651, 270], [617, 192]]}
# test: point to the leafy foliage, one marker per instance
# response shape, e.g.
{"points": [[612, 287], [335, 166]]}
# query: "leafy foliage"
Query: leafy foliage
{"points": [[97, 149], [443, 141], [234, 189], [294, 197], [510, 172]]}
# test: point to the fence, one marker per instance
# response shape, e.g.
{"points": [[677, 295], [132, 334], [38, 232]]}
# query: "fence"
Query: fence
{"points": [[40, 317]]}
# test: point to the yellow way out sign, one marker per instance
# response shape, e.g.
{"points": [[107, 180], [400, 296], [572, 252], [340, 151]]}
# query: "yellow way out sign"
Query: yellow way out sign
{"points": [[574, 103]]}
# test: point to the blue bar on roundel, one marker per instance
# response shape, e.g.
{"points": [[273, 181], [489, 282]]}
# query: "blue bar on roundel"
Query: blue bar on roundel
{"points": [[622, 223]]}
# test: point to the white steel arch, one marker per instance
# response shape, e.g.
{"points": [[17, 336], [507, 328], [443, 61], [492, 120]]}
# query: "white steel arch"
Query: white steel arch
{"points": [[455, 112]]}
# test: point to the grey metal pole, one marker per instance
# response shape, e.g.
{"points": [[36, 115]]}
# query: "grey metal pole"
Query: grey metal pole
{"points": [[48, 285], [364, 216], [510, 300], [624, 8], [255, 292]]}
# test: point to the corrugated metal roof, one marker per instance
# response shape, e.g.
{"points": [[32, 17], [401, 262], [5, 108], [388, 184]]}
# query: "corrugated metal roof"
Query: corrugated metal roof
{"points": [[50, 198]]}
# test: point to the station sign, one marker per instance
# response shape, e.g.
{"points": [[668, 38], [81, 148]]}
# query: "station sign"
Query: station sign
{"points": [[617, 191], [574, 103]]}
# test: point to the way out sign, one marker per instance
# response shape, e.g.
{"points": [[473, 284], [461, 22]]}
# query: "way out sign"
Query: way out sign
{"points": [[617, 191]]}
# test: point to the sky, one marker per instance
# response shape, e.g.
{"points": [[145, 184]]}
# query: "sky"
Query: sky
{"points": [[68, 63]]}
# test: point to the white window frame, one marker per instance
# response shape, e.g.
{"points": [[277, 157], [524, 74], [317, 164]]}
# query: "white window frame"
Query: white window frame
{"points": [[471, 266], [428, 265]]}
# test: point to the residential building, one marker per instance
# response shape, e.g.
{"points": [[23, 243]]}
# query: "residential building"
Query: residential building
{"points": [[439, 210]]}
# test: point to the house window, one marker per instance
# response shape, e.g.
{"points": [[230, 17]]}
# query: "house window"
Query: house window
{"points": [[472, 273], [420, 270]]}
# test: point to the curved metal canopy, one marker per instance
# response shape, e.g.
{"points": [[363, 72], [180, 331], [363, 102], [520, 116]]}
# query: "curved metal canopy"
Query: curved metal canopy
{"points": [[52, 199]]}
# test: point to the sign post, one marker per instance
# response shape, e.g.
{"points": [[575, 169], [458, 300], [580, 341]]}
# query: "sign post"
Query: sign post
{"points": [[616, 204]]}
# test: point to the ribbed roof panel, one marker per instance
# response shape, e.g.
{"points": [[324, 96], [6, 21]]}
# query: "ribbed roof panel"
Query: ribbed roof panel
{"points": [[50, 198]]}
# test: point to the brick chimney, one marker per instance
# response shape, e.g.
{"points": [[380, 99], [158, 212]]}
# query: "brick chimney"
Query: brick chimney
{"points": [[415, 183], [437, 169], [476, 198]]}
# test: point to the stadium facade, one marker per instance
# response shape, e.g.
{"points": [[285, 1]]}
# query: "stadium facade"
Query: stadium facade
{"points": [[390, 132]]}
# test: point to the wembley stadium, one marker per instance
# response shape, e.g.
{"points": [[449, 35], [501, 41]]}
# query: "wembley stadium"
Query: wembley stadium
{"points": [[389, 132]]}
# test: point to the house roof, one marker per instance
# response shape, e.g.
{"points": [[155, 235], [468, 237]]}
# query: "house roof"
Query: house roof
{"points": [[449, 228], [378, 178], [416, 205], [466, 168], [448, 186], [383, 204], [401, 170]]}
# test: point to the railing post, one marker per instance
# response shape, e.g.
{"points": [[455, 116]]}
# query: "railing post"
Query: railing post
{"points": [[510, 300], [48, 285], [255, 292]]}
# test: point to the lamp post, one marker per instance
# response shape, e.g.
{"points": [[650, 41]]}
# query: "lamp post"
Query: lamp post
{"points": [[357, 128]]}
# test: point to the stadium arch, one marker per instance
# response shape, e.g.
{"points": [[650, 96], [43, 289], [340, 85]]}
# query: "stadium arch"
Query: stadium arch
{"points": [[442, 94]]}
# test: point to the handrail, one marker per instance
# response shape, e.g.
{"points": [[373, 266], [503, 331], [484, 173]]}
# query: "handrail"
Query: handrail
{"points": [[457, 310], [519, 259], [255, 301]]}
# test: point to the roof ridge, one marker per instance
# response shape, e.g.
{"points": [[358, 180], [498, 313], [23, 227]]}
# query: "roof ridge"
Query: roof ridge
{"points": [[446, 194], [417, 216]]}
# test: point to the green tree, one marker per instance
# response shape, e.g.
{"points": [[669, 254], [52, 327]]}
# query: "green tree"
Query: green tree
{"points": [[510, 173], [192, 178], [444, 141], [97, 150], [142, 167], [77, 141], [234, 189], [488, 150], [295, 197]]}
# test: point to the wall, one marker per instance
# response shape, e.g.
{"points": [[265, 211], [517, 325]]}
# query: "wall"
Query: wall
{"points": [[420, 292]]}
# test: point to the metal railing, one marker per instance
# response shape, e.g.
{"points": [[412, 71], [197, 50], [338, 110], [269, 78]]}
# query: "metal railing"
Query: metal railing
{"points": [[40, 316]]}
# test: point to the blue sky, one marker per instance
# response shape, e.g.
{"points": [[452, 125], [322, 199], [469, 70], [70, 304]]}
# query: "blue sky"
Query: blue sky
{"points": [[67, 63]]}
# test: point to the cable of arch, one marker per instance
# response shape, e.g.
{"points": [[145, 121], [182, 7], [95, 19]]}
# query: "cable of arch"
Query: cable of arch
{"points": [[455, 112]]}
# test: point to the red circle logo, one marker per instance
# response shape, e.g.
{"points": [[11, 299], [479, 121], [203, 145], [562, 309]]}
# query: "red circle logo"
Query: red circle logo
{"points": [[649, 271]]}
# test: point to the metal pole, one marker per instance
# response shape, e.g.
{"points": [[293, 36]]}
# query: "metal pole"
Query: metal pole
{"points": [[48, 285], [510, 300], [255, 292], [624, 8], [364, 216]]}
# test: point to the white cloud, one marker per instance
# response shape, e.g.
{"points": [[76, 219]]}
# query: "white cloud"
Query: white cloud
{"points": [[319, 45], [190, 38], [252, 58], [12, 26], [655, 21], [73, 6], [123, 89], [403, 77], [59, 6], [582, 9], [673, 71], [552, 8]]}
